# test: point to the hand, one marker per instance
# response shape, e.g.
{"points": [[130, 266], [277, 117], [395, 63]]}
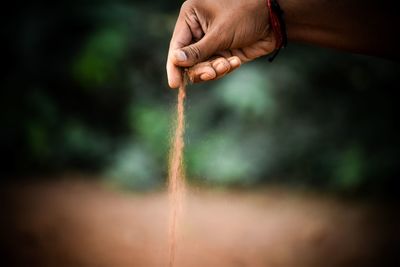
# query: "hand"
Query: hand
{"points": [[212, 38]]}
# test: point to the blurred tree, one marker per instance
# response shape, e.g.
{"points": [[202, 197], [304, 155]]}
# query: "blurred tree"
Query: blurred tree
{"points": [[85, 89]]}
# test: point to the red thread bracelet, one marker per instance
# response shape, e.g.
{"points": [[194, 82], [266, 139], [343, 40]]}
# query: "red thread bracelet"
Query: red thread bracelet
{"points": [[278, 26]]}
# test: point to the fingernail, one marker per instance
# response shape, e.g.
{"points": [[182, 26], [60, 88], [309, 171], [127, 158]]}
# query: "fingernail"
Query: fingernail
{"points": [[180, 55], [234, 62], [205, 76], [221, 68]]}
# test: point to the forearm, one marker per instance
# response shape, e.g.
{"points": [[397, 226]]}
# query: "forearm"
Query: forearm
{"points": [[361, 26]]}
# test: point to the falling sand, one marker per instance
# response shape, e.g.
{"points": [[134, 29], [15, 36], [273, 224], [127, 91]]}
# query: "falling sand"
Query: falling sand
{"points": [[176, 186]]}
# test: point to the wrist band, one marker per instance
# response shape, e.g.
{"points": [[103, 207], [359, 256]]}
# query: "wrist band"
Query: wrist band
{"points": [[278, 25]]}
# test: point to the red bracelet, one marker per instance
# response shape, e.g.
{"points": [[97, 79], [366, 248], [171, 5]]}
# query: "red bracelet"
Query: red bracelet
{"points": [[278, 26]]}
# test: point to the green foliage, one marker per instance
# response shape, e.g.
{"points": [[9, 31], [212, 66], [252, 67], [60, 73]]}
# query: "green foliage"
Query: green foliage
{"points": [[349, 170], [152, 124], [86, 89], [98, 63], [247, 93], [134, 167]]}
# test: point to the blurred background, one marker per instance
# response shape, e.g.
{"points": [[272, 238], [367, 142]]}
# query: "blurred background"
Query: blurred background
{"points": [[84, 97]]}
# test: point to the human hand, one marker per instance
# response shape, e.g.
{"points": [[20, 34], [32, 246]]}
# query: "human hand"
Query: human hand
{"points": [[212, 38]]}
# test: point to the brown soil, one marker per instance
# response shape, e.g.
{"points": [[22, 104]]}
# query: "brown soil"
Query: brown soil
{"points": [[80, 223]]}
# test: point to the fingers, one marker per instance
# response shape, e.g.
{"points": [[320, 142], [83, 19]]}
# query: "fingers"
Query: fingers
{"points": [[206, 27], [197, 52], [181, 37], [188, 56], [201, 72], [213, 69]]}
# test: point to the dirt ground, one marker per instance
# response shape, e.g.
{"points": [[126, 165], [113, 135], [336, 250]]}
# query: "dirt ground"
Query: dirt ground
{"points": [[85, 223]]}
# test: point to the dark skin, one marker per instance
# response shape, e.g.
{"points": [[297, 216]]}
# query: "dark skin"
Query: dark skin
{"points": [[213, 38]]}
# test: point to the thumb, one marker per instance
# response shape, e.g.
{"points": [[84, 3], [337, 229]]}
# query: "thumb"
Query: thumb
{"points": [[196, 52]]}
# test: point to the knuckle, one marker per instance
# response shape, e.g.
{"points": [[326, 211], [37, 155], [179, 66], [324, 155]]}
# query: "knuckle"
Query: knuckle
{"points": [[185, 6], [194, 52]]}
